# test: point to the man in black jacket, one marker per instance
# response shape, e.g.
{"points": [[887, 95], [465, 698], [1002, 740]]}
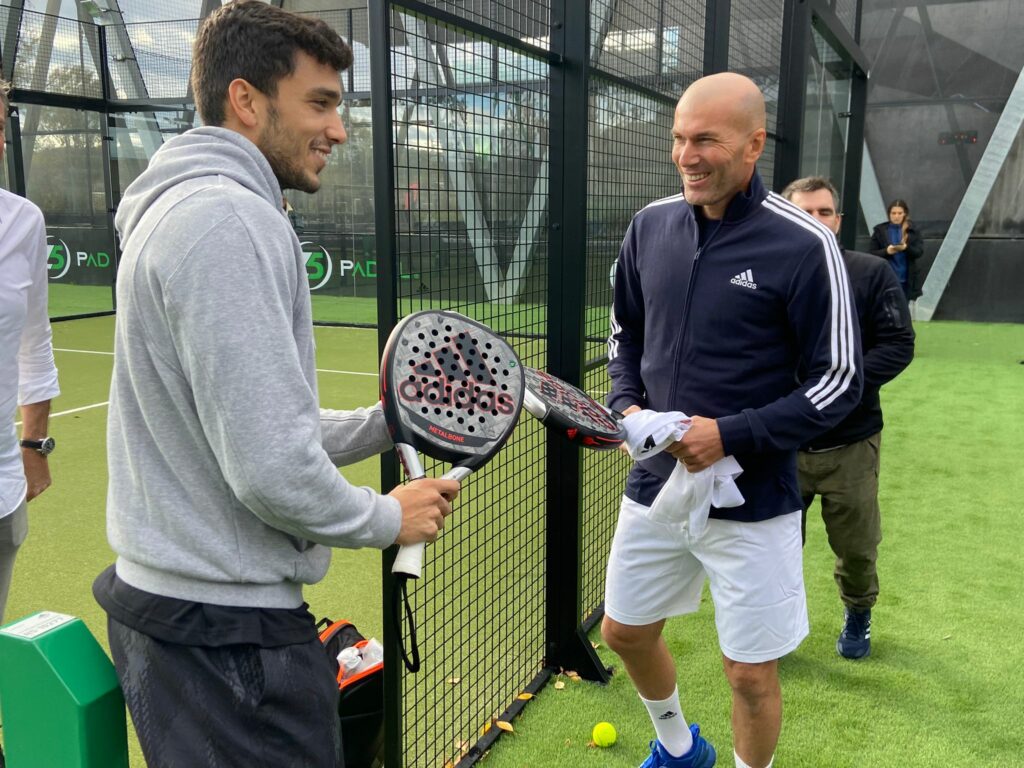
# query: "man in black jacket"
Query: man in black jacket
{"points": [[842, 464]]}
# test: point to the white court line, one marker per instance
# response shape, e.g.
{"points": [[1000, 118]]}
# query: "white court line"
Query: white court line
{"points": [[82, 351], [76, 410], [318, 370], [350, 373], [72, 410]]}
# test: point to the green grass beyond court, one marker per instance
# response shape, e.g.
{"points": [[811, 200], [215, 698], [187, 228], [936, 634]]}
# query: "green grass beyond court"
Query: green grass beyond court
{"points": [[943, 685]]}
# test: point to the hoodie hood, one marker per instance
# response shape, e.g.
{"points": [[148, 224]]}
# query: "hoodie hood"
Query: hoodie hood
{"points": [[199, 153]]}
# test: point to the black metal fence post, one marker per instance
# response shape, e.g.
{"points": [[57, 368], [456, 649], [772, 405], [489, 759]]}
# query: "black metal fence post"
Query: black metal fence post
{"points": [[387, 314], [854, 157], [111, 178], [716, 36], [796, 32], [15, 162], [567, 644]]}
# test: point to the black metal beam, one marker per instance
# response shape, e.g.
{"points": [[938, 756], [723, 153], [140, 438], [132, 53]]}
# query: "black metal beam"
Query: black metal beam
{"points": [[9, 46], [566, 644], [15, 159], [387, 314], [716, 36], [633, 85], [833, 30], [94, 104], [854, 157], [796, 33], [471, 28], [111, 177]]}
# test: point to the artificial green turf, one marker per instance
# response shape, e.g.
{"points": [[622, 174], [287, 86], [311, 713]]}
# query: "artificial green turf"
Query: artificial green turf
{"points": [[942, 687], [68, 299], [944, 683]]}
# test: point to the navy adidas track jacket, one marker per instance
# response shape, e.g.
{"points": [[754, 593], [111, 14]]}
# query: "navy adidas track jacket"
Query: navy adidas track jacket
{"points": [[720, 331]]}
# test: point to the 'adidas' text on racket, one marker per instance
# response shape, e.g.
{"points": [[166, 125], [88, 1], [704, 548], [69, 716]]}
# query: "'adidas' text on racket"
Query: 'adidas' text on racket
{"points": [[453, 389]]}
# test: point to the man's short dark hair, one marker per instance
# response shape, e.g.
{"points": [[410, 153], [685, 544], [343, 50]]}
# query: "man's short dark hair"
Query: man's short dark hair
{"points": [[258, 43], [812, 184]]}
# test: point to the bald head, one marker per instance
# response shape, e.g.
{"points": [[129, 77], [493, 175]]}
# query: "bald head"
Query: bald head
{"points": [[717, 136], [735, 98]]}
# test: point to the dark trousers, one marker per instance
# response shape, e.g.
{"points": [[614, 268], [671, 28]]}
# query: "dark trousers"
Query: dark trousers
{"points": [[13, 530], [847, 481], [236, 705]]}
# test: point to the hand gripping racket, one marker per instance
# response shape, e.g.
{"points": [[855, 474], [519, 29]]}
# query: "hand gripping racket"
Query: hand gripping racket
{"points": [[453, 389], [571, 411]]}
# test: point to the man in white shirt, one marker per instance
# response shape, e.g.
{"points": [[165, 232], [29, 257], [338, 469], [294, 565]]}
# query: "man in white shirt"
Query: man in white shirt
{"points": [[28, 376]]}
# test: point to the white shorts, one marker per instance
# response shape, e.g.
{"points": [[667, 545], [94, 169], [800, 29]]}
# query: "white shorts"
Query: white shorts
{"points": [[755, 571]]}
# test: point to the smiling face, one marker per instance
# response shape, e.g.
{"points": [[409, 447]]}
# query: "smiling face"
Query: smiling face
{"points": [[716, 140], [897, 215], [301, 124]]}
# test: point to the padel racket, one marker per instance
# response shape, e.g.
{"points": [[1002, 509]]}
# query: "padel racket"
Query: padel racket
{"points": [[453, 389], [571, 411]]}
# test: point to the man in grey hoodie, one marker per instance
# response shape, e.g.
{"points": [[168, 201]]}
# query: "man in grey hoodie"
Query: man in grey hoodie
{"points": [[224, 497]]}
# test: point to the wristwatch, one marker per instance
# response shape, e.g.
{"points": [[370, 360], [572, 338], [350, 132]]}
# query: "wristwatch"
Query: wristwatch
{"points": [[44, 446]]}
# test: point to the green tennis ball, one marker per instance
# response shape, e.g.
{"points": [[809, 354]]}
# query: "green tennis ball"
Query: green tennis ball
{"points": [[604, 734]]}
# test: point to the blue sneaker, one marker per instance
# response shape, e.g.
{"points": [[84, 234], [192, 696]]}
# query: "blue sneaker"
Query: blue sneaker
{"points": [[855, 640], [701, 754]]}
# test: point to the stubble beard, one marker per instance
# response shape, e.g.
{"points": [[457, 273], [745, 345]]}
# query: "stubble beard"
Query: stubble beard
{"points": [[275, 144]]}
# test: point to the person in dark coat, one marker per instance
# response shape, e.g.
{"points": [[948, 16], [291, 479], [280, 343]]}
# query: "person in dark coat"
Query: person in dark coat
{"points": [[898, 242], [842, 465]]}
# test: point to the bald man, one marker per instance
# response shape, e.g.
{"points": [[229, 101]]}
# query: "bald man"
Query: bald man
{"points": [[720, 293]]}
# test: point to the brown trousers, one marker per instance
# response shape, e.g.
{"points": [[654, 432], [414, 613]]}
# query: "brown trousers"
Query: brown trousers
{"points": [[847, 481]]}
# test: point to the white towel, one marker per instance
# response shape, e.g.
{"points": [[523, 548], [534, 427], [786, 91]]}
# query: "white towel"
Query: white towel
{"points": [[651, 432], [690, 495]]}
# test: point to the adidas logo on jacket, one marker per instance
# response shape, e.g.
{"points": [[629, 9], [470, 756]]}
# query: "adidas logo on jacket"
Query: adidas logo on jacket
{"points": [[694, 331]]}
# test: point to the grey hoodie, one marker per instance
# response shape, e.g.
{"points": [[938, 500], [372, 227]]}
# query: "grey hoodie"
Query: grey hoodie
{"points": [[223, 486]]}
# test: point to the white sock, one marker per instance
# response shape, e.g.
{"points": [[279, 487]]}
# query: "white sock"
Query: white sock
{"points": [[670, 725], [741, 764]]}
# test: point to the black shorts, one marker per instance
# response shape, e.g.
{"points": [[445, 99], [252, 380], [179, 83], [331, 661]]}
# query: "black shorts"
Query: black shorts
{"points": [[229, 706]]}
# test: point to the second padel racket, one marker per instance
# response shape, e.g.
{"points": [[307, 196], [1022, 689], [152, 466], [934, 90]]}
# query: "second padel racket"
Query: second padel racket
{"points": [[452, 389], [569, 410]]}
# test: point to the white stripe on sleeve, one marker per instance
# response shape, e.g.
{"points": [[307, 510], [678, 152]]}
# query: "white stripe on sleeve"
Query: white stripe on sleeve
{"points": [[841, 340]]}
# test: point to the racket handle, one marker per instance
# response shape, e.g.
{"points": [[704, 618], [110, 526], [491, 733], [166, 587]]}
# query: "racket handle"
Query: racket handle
{"points": [[409, 561], [457, 473]]}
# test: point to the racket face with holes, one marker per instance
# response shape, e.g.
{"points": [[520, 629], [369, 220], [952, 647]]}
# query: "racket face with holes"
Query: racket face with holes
{"points": [[571, 411], [451, 387]]}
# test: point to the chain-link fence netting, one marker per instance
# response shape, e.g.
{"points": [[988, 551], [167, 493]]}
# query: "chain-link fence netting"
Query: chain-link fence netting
{"points": [[657, 44], [54, 55], [628, 166], [470, 202], [755, 49]]}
